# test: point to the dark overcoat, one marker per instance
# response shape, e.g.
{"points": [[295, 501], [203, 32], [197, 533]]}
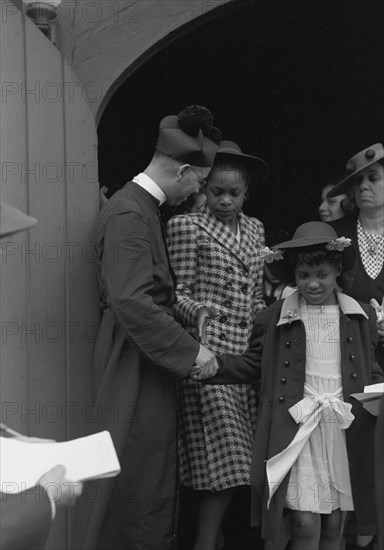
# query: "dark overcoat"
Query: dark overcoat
{"points": [[25, 519], [140, 350], [277, 353]]}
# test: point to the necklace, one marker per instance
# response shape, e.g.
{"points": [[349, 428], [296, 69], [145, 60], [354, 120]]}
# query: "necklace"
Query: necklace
{"points": [[373, 240]]}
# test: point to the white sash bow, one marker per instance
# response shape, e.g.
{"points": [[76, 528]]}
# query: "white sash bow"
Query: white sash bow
{"points": [[309, 412]]}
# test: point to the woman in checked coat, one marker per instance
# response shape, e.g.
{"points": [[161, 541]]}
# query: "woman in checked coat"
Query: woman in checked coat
{"points": [[215, 254]]}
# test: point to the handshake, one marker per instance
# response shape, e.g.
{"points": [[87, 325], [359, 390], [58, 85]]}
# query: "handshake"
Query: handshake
{"points": [[206, 365]]}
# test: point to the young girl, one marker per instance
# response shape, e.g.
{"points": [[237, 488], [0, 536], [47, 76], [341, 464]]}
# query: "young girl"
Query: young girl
{"points": [[313, 452]]}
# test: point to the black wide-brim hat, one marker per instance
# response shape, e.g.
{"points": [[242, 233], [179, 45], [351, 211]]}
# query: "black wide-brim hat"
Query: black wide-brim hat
{"points": [[229, 150], [189, 137], [308, 235], [356, 164], [13, 220]]}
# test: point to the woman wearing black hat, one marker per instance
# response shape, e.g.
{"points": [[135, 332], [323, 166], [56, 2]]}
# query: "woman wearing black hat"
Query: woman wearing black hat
{"points": [[365, 179], [215, 254]]}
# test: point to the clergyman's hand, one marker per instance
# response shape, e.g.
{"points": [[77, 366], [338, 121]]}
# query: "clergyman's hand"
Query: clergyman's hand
{"points": [[201, 373], [205, 366], [204, 357]]}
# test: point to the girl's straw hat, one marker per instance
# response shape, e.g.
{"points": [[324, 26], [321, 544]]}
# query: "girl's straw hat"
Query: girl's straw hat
{"points": [[356, 164], [306, 235]]}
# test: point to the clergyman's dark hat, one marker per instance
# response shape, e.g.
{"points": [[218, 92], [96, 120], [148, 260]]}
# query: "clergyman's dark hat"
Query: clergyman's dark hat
{"points": [[189, 137]]}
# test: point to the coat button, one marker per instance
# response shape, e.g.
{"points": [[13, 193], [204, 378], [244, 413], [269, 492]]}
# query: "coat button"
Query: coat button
{"points": [[244, 289], [281, 399], [349, 339], [287, 344], [243, 324], [286, 363], [228, 285], [354, 376], [223, 319], [227, 303], [348, 320], [222, 336], [283, 380], [229, 269], [352, 357]]}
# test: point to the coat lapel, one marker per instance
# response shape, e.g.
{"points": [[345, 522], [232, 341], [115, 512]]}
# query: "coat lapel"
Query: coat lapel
{"points": [[224, 236]]}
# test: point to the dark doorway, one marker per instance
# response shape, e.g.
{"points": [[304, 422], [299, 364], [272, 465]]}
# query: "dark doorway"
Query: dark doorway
{"points": [[297, 82]]}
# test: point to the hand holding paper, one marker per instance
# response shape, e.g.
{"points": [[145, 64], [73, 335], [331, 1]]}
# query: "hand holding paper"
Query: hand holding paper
{"points": [[60, 490], [23, 464]]}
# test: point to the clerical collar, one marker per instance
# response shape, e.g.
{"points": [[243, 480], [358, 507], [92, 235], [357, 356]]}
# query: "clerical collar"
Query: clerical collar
{"points": [[149, 185]]}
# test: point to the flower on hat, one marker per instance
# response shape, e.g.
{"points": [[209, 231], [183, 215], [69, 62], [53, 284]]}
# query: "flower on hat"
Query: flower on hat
{"points": [[271, 255], [338, 244]]}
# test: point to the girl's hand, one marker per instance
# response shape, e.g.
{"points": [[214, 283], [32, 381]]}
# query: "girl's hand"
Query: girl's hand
{"points": [[201, 373], [204, 316]]}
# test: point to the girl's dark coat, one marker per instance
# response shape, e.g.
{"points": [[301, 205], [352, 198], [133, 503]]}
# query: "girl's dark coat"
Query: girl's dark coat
{"points": [[277, 354]]}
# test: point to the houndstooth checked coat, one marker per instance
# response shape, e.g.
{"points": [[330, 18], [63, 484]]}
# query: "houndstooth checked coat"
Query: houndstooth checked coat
{"points": [[213, 269]]}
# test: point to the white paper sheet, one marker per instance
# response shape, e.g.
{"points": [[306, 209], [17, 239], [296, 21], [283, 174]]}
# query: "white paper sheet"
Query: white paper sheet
{"points": [[22, 463], [373, 388]]}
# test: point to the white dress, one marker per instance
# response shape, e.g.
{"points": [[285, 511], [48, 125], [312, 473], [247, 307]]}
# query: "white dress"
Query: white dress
{"points": [[319, 480]]}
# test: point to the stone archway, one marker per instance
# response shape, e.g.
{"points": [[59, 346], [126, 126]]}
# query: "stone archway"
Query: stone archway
{"points": [[106, 40], [290, 81]]}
